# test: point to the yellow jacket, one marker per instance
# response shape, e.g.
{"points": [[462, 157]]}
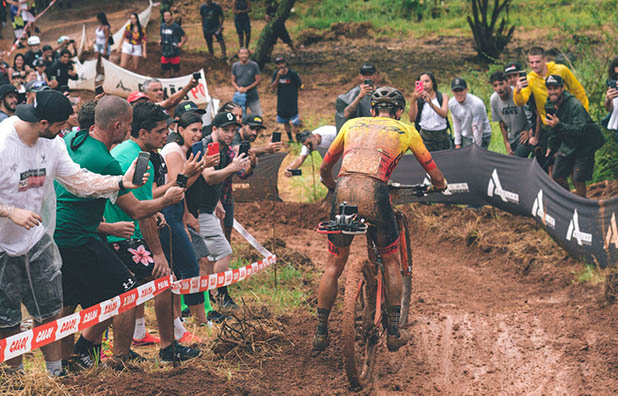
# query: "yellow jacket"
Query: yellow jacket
{"points": [[536, 86]]}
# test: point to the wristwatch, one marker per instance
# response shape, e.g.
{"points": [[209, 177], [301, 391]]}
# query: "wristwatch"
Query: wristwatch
{"points": [[120, 185]]}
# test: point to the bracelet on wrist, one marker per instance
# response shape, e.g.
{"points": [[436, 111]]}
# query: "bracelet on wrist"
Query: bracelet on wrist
{"points": [[121, 185]]}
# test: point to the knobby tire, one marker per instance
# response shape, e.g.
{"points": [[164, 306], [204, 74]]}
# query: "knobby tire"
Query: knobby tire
{"points": [[360, 335]]}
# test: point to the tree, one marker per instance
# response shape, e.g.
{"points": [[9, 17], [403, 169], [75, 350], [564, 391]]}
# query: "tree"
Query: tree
{"points": [[489, 40], [266, 41]]}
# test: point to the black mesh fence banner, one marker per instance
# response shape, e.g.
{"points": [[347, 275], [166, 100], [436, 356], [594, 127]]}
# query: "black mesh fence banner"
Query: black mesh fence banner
{"points": [[585, 228]]}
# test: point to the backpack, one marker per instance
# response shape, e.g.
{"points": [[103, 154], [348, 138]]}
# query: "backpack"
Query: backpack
{"points": [[420, 103]]}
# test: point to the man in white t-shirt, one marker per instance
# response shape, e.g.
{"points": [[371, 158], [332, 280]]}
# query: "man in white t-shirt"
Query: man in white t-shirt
{"points": [[321, 137], [29, 258], [470, 122]]}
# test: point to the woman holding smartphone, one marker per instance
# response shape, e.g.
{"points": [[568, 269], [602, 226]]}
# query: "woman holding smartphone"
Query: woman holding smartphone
{"points": [[185, 262], [429, 112]]}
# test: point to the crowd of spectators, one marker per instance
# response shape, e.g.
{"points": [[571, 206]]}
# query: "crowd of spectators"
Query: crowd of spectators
{"points": [[71, 213]]}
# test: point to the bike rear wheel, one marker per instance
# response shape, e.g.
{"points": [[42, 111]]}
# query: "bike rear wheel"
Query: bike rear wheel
{"points": [[406, 261], [360, 335]]}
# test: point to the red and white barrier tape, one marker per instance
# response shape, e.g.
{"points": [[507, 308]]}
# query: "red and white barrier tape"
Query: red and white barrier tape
{"points": [[39, 336], [213, 281]]}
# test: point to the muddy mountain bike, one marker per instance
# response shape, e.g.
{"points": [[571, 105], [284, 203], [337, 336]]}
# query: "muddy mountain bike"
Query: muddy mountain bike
{"points": [[364, 303]]}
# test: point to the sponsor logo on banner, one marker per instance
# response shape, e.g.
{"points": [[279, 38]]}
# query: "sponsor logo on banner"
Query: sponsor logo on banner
{"points": [[68, 325], [212, 281], [44, 334], [612, 234], [235, 275], [162, 284], [540, 211], [109, 308], [242, 273], [228, 277], [495, 188], [89, 316], [574, 232], [18, 344]]}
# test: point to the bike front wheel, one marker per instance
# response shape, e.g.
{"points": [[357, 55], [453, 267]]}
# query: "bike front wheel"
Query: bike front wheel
{"points": [[360, 334]]}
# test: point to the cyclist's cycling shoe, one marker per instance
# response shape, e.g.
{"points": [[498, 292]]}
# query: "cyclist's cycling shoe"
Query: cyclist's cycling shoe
{"points": [[329, 227], [354, 228], [320, 343], [394, 343]]}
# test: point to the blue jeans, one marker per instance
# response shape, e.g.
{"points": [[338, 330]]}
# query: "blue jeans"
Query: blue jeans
{"points": [[183, 259]]}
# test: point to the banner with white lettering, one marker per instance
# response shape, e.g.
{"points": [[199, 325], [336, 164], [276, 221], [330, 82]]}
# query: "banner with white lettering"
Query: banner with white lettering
{"points": [[86, 73], [144, 18], [122, 82], [583, 227]]}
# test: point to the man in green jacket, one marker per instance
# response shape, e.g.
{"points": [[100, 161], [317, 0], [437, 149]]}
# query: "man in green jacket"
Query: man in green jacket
{"points": [[572, 134]]}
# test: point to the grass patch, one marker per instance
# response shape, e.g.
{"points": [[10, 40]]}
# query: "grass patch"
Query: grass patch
{"points": [[289, 292], [590, 273]]}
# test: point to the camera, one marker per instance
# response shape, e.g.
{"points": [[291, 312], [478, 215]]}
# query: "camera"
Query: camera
{"points": [[368, 82], [612, 84], [197, 76]]}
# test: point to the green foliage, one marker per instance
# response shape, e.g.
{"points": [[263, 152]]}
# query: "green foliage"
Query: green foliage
{"points": [[309, 182], [589, 273]]}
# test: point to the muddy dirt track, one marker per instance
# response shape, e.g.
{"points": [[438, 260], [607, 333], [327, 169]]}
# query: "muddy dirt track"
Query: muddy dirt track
{"points": [[481, 325]]}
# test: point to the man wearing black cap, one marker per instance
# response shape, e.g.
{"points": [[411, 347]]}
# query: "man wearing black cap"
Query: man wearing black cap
{"points": [[32, 158], [287, 83], [203, 197], [470, 122], [8, 101], [251, 127], [572, 133], [511, 118], [360, 106]]}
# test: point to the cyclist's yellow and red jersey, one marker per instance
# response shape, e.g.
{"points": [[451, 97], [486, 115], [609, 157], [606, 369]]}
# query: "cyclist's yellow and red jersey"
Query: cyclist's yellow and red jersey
{"points": [[373, 146]]}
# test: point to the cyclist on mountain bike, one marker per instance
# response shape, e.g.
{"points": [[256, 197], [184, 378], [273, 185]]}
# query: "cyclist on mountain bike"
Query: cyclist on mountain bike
{"points": [[371, 148]]}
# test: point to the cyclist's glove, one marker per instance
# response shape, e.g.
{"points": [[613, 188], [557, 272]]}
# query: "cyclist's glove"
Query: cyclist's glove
{"points": [[432, 188]]}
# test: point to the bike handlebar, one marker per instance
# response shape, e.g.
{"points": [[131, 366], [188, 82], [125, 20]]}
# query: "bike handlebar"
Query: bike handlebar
{"points": [[420, 190]]}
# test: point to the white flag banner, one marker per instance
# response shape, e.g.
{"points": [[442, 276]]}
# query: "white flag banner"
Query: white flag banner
{"points": [[86, 72], [144, 18], [122, 82], [83, 42]]}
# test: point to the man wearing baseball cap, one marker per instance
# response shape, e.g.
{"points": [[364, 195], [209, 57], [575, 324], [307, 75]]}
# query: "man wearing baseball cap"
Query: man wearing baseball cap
{"points": [[572, 134], [32, 159], [359, 104], [8, 101], [135, 96], [470, 122], [204, 196], [185, 107], [34, 50]]}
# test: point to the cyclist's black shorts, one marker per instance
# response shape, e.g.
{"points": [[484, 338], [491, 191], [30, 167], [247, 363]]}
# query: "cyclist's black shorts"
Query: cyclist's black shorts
{"points": [[374, 205]]}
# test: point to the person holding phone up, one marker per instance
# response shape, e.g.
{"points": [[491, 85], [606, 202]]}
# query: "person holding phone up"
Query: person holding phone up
{"points": [[361, 104], [572, 134], [611, 96], [429, 112], [205, 195], [321, 137]]}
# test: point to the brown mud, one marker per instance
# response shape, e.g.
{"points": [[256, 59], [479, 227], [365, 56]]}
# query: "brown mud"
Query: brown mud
{"points": [[482, 323]]}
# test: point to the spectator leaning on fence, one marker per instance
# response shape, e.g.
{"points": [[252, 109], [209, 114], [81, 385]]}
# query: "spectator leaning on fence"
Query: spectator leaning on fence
{"points": [[514, 71], [321, 137], [32, 159], [573, 134], [511, 118], [470, 122]]}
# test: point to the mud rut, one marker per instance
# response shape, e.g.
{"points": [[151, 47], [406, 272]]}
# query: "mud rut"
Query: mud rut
{"points": [[478, 327]]}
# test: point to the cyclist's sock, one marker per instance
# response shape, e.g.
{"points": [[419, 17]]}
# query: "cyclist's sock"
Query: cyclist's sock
{"points": [[394, 311], [323, 320]]}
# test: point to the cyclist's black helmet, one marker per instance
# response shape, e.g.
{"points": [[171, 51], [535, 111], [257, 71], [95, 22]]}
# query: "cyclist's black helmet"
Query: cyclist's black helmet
{"points": [[388, 97]]}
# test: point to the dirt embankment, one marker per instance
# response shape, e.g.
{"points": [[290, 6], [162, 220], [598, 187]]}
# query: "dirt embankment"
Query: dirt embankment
{"points": [[484, 320]]}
